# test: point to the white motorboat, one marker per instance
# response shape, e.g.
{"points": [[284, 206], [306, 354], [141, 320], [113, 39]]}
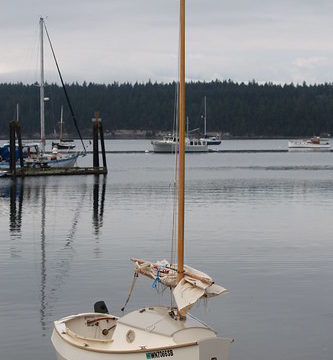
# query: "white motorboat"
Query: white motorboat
{"points": [[169, 144], [315, 143], [153, 331]]}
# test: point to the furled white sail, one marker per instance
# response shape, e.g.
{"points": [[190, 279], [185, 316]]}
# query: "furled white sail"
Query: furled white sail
{"points": [[194, 286]]}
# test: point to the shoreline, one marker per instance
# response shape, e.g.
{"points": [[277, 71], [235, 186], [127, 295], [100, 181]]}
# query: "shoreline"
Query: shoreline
{"points": [[145, 135]]}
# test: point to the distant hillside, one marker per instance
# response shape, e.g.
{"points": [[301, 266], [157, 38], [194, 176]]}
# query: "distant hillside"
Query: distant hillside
{"points": [[239, 109]]}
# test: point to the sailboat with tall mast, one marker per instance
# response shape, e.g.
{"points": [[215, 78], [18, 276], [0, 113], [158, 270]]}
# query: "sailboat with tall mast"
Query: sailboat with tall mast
{"points": [[153, 331], [63, 144], [211, 140], [43, 159]]}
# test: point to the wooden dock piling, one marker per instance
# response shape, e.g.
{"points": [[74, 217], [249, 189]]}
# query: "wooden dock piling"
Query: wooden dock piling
{"points": [[95, 141], [101, 135], [98, 130]]}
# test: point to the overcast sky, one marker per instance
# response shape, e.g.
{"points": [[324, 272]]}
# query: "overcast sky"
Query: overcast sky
{"points": [[104, 41]]}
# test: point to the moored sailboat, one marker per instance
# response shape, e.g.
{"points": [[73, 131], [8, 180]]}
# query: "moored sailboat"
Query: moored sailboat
{"points": [[43, 159], [55, 159], [63, 144], [211, 140], [159, 331]]}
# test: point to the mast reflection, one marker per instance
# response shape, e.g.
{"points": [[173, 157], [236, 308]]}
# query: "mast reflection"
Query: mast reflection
{"points": [[98, 209], [39, 199], [64, 256], [43, 300]]}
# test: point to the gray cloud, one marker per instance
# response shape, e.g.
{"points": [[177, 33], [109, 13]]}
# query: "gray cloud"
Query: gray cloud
{"points": [[136, 40]]}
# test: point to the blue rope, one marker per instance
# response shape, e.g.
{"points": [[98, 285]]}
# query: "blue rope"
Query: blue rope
{"points": [[157, 279]]}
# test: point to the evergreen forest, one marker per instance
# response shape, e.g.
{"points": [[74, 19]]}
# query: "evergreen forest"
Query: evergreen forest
{"points": [[238, 109]]}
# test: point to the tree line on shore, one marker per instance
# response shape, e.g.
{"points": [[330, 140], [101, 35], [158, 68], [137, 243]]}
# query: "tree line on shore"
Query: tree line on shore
{"points": [[249, 110]]}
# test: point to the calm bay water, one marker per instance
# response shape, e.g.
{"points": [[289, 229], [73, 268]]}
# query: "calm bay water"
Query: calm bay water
{"points": [[259, 223]]}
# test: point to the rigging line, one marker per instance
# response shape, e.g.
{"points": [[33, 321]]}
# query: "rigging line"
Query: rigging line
{"points": [[65, 90], [135, 276], [175, 108]]}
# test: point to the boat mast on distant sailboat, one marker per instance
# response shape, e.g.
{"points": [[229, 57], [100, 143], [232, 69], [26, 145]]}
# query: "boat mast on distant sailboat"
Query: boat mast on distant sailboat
{"points": [[63, 144], [211, 140]]}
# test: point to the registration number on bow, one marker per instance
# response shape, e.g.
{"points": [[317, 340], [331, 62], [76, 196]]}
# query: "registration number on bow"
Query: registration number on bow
{"points": [[159, 354]]}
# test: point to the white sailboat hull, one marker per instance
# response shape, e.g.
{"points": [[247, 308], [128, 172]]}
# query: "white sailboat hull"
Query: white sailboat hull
{"points": [[154, 335], [68, 161], [206, 349], [65, 162], [52, 161]]}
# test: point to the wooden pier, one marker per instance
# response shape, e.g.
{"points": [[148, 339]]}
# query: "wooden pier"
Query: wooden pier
{"points": [[23, 171]]}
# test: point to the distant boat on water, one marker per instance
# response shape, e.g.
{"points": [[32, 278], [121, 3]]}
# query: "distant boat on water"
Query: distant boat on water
{"points": [[315, 143], [170, 144], [63, 144], [211, 140]]}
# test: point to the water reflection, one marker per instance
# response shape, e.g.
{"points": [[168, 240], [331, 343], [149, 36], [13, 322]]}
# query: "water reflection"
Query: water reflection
{"points": [[61, 269], [43, 301], [15, 214], [98, 210], [42, 200]]}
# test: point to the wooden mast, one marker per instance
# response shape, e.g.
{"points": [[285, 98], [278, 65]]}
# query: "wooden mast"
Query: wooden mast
{"points": [[181, 190]]}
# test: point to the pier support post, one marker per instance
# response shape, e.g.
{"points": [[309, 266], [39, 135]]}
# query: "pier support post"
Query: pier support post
{"points": [[101, 135], [95, 142]]}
